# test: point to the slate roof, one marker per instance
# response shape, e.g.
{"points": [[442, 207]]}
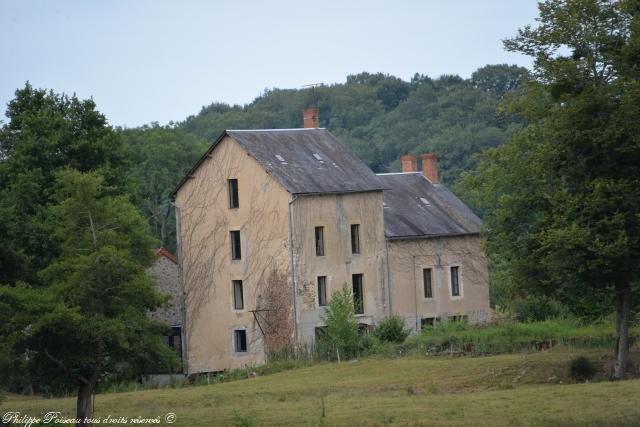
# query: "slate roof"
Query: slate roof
{"points": [[416, 208], [304, 161]]}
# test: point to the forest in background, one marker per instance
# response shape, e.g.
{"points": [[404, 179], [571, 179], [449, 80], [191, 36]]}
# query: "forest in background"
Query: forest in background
{"points": [[378, 116]]}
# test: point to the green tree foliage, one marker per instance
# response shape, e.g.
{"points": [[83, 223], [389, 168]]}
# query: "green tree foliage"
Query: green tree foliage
{"points": [[46, 132], [341, 330], [161, 155], [392, 329], [562, 197], [89, 322], [381, 117]]}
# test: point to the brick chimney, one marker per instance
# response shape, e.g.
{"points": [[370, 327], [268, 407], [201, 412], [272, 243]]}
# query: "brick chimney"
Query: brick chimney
{"points": [[409, 163], [311, 118], [430, 166]]}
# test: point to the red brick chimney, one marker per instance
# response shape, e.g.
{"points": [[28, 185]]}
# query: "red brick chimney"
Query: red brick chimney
{"points": [[409, 163], [311, 118], [430, 166]]}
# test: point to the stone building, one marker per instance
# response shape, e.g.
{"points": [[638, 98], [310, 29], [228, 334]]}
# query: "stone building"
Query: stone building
{"points": [[272, 222], [166, 275]]}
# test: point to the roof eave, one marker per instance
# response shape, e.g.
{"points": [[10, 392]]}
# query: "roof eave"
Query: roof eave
{"points": [[195, 167], [432, 236]]}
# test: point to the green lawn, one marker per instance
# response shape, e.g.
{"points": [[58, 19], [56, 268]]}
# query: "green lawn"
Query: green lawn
{"points": [[513, 389]]}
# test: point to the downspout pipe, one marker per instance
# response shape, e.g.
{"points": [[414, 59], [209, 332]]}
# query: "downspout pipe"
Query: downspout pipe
{"points": [[183, 298], [415, 291], [293, 269], [389, 293]]}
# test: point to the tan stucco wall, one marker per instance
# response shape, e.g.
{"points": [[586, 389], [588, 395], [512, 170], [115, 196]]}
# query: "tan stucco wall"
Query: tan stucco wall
{"points": [[407, 259], [204, 222], [263, 218], [336, 213]]}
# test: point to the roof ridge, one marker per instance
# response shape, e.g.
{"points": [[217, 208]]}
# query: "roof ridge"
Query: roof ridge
{"points": [[399, 173], [273, 130]]}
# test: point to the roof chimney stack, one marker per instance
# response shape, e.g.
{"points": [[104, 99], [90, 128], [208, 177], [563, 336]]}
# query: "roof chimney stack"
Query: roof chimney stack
{"points": [[430, 166], [311, 118], [409, 163]]}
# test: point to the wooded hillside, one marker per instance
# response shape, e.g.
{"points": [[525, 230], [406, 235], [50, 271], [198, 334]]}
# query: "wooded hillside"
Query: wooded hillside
{"points": [[379, 116]]}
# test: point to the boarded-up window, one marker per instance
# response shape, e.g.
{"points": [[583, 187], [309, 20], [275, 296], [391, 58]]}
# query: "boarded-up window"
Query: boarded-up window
{"points": [[426, 282], [322, 291], [355, 238], [238, 295], [320, 241], [358, 295], [236, 252], [234, 201], [240, 340], [455, 281]]}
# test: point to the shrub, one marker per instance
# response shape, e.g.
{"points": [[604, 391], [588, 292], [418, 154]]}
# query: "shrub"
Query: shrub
{"points": [[391, 329], [533, 308], [341, 331], [581, 369]]}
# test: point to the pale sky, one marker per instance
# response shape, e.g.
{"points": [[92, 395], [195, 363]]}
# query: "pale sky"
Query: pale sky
{"points": [[161, 60]]}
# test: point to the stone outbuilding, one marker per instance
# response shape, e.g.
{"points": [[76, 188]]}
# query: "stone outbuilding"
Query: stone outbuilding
{"points": [[166, 275]]}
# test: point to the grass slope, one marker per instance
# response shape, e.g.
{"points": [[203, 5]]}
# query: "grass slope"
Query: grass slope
{"points": [[514, 389]]}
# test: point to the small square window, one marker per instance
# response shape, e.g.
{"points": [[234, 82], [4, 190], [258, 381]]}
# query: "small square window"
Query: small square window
{"points": [[238, 295], [426, 281], [240, 340], [322, 291], [355, 238], [319, 241], [236, 251], [455, 281], [234, 202]]}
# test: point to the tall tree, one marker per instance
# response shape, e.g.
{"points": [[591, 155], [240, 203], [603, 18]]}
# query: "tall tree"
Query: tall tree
{"points": [[161, 155], [45, 133], [562, 197], [90, 321]]}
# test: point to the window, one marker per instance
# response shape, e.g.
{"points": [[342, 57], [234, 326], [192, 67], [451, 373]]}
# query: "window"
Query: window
{"points": [[455, 281], [355, 238], [322, 291], [426, 322], [236, 252], [238, 296], [174, 340], [459, 318], [320, 332], [320, 241], [358, 296], [240, 340], [364, 329], [234, 202], [426, 281]]}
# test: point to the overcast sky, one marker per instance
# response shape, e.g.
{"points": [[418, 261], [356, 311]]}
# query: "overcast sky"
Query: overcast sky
{"points": [[144, 61]]}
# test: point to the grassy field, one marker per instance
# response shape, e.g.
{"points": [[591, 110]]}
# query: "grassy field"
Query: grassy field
{"points": [[513, 389]]}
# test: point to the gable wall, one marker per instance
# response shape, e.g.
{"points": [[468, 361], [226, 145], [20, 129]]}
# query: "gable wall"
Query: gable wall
{"points": [[204, 221], [166, 275]]}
